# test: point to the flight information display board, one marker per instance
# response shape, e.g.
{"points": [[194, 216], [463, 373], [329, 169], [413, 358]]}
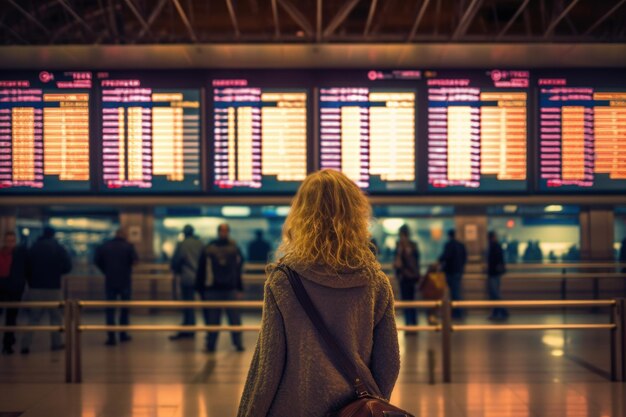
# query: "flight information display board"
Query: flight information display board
{"points": [[150, 136], [582, 131], [259, 137], [477, 130], [44, 131], [367, 129]]}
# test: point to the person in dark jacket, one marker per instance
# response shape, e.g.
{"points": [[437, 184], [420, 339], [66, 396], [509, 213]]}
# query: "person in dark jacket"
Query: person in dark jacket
{"points": [[115, 259], [259, 249], [219, 279], [185, 265], [48, 261], [453, 260], [407, 267], [495, 269], [13, 270]]}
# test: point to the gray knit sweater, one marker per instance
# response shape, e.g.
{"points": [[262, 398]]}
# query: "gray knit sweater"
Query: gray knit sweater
{"points": [[292, 373]]}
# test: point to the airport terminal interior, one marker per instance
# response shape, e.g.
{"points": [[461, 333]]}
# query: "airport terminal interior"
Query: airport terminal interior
{"points": [[501, 122]]}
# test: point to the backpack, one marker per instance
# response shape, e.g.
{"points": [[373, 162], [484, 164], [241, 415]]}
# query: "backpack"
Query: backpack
{"points": [[224, 267]]}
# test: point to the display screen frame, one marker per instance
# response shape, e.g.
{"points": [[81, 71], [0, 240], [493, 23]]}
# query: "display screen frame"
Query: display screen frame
{"points": [[40, 75], [473, 74], [156, 79], [605, 78], [407, 79], [288, 79]]}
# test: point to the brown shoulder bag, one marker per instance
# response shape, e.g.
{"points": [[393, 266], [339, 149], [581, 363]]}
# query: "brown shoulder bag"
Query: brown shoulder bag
{"points": [[366, 404]]}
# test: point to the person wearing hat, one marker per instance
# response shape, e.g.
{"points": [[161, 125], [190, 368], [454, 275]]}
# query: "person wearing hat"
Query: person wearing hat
{"points": [[185, 265], [48, 261]]}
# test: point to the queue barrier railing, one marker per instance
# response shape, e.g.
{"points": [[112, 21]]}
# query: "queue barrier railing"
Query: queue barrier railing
{"points": [[258, 278], [147, 267], [66, 328], [74, 328]]}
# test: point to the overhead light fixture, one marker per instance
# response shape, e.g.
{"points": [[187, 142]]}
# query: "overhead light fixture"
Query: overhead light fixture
{"points": [[391, 226], [236, 211], [553, 208], [510, 208], [282, 211]]}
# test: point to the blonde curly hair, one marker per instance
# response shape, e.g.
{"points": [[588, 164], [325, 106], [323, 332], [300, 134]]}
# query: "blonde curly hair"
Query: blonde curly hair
{"points": [[328, 225]]}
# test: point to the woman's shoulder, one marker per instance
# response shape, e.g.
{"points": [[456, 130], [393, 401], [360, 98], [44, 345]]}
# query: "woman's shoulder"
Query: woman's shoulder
{"points": [[381, 282], [276, 276]]}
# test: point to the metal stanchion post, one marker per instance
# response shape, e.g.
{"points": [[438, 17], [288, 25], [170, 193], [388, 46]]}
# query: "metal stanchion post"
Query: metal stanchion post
{"points": [[446, 337], [68, 328], [78, 374], [618, 342]]}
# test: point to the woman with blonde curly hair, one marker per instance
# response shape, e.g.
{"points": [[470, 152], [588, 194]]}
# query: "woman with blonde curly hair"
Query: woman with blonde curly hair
{"points": [[327, 242]]}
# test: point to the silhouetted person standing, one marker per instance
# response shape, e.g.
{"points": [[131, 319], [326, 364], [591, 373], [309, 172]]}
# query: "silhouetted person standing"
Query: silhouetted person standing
{"points": [[259, 249], [495, 269], [453, 261], [48, 261], [219, 279], [407, 267], [13, 270], [115, 258], [185, 265]]}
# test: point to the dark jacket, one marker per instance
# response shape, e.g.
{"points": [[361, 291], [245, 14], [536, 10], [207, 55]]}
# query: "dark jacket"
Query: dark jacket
{"points": [[407, 265], [226, 262], [495, 259], [454, 257], [115, 259], [185, 260], [20, 270], [48, 261]]}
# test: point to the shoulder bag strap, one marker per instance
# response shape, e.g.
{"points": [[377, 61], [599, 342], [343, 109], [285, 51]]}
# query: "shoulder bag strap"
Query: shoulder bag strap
{"points": [[340, 357]]}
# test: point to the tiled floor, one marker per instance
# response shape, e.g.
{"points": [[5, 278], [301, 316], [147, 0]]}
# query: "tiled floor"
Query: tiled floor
{"points": [[496, 374]]}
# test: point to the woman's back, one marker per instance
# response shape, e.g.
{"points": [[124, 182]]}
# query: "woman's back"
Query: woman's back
{"points": [[295, 373], [326, 240]]}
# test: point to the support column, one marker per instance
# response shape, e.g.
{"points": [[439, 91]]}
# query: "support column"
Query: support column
{"points": [[597, 230], [597, 233], [139, 224], [471, 229]]}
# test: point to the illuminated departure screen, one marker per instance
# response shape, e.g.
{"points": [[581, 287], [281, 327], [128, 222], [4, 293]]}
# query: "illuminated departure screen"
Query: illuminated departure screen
{"points": [[44, 132], [477, 130], [367, 128], [259, 137], [582, 132], [150, 137]]}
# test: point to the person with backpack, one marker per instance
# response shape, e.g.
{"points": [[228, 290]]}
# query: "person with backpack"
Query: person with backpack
{"points": [[453, 260], [328, 328], [407, 267], [115, 258], [185, 265], [219, 279], [48, 261]]}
